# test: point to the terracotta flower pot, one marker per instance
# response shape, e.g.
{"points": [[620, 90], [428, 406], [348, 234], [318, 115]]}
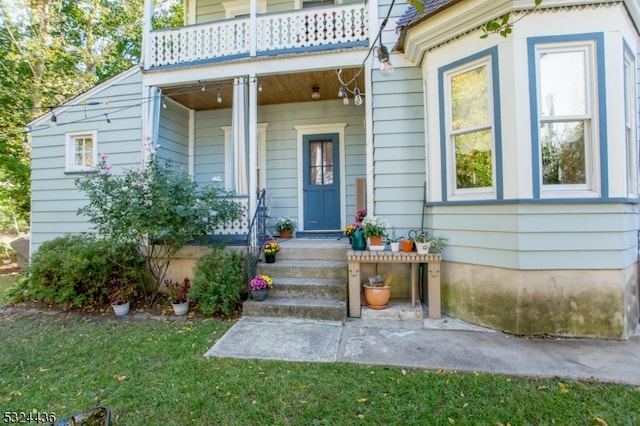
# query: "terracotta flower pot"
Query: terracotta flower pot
{"points": [[377, 297], [406, 245], [286, 233], [375, 241]]}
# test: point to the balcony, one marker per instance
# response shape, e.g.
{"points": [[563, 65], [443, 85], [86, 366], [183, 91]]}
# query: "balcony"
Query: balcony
{"points": [[333, 27]]}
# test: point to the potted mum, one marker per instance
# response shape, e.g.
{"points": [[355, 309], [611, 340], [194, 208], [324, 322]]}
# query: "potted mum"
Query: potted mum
{"points": [[179, 295], [270, 248], [260, 285], [121, 292], [375, 228], [285, 226]]}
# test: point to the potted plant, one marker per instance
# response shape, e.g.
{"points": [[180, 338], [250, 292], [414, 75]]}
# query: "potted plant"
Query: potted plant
{"points": [[374, 228], [270, 248], [356, 238], [260, 285], [394, 241], [179, 295], [121, 292], [378, 291], [285, 226], [425, 243]]}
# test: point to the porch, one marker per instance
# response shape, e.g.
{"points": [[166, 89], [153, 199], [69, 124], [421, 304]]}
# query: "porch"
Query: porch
{"points": [[250, 34]]}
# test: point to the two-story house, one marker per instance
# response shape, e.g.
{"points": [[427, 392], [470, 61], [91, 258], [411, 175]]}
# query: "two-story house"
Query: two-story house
{"points": [[522, 151]]}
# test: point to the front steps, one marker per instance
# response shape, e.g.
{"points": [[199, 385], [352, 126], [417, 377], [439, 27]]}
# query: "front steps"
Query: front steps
{"points": [[309, 281]]}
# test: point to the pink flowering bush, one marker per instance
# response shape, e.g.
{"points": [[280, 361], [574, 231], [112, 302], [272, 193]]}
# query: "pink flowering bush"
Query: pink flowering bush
{"points": [[157, 208]]}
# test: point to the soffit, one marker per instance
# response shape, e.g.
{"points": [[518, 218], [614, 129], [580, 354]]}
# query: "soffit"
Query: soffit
{"points": [[276, 89]]}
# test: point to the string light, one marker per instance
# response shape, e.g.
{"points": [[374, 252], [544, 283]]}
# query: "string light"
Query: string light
{"points": [[358, 98], [260, 87], [219, 97], [54, 119]]}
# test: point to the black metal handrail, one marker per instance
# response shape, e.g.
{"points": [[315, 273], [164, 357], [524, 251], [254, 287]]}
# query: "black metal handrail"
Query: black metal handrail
{"points": [[256, 236]]}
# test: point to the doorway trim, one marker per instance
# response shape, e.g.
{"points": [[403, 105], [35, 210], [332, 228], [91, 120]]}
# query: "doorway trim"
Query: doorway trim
{"points": [[314, 129]]}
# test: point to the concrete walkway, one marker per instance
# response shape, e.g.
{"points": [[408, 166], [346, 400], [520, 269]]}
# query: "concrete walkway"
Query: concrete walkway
{"points": [[447, 344]]}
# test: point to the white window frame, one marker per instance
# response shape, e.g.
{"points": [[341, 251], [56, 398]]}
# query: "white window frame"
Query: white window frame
{"points": [[70, 151], [591, 187], [630, 123], [480, 193]]}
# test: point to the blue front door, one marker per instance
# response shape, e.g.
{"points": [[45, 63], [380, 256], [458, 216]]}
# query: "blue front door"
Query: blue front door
{"points": [[321, 182]]}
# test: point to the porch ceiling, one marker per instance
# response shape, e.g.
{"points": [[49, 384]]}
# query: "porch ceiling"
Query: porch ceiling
{"points": [[276, 89]]}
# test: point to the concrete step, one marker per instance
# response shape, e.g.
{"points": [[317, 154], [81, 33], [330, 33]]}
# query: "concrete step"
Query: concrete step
{"points": [[313, 249], [306, 308], [305, 268], [311, 288]]}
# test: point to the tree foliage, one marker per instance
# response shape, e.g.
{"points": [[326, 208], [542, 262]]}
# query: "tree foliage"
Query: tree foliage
{"points": [[50, 51]]}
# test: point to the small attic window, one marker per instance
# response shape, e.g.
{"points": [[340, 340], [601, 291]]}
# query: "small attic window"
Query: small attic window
{"points": [[81, 151]]}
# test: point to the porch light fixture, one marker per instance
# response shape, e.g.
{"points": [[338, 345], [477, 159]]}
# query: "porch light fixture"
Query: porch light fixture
{"points": [[219, 97], [357, 98], [386, 67], [315, 93], [54, 119]]}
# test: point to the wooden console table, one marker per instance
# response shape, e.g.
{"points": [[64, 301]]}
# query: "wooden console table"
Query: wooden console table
{"points": [[355, 258]]}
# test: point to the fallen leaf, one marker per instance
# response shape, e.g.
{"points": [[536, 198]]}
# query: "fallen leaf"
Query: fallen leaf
{"points": [[404, 372], [453, 422], [362, 400], [121, 378], [564, 388], [599, 420]]}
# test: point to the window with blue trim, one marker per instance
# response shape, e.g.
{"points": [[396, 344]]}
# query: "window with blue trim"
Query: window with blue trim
{"points": [[566, 138], [469, 96]]}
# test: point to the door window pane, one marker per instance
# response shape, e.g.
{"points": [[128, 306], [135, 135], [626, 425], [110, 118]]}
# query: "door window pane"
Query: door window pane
{"points": [[321, 162]]}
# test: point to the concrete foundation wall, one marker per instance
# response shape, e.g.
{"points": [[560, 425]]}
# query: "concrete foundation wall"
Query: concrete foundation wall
{"points": [[576, 303]]}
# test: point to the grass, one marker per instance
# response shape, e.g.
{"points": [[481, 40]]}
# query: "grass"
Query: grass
{"points": [[154, 373]]}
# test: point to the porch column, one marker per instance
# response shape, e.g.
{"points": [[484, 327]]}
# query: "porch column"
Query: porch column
{"points": [[253, 142], [240, 136]]}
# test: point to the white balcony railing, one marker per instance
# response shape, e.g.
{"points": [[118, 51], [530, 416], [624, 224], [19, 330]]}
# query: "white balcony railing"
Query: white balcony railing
{"points": [[334, 25]]}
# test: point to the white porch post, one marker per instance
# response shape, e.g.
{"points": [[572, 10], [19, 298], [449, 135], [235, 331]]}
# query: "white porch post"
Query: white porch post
{"points": [[239, 131], [253, 142], [146, 33], [253, 25]]}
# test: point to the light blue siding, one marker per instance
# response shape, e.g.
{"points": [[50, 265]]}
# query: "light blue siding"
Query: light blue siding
{"points": [[209, 145], [173, 134], [54, 197], [399, 148], [539, 236]]}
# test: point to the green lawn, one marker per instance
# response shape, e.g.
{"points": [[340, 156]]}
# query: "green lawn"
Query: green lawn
{"points": [[154, 373]]}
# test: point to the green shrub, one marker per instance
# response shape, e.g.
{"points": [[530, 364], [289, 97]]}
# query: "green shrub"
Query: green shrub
{"points": [[74, 270], [218, 282]]}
